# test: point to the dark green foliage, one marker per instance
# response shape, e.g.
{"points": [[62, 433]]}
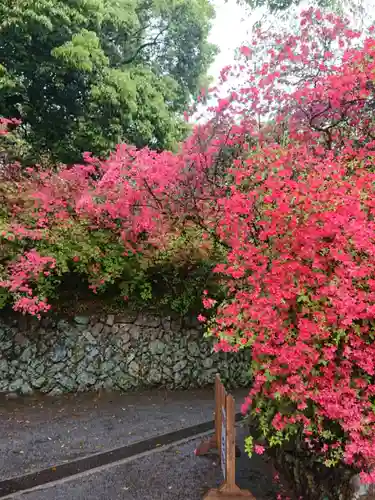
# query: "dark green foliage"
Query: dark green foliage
{"points": [[84, 75]]}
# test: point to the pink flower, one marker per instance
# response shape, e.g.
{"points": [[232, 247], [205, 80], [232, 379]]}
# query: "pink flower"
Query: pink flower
{"points": [[208, 303], [246, 51], [259, 450]]}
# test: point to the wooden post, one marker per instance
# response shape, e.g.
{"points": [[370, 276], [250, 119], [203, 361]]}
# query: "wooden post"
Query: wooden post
{"points": [[224, 440], [231, 443], [214, 442]]}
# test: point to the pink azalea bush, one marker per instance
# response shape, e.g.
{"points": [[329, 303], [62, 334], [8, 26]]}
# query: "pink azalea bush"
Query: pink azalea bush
{"points": [[117, 222], [300, 224]]}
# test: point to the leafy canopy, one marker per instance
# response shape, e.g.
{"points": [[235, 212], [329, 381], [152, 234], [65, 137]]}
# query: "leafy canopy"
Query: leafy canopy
{"points": [[84, 75]]}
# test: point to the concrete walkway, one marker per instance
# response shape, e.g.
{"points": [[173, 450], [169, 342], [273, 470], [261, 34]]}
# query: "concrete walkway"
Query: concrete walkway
{"points": [[44, 433]]}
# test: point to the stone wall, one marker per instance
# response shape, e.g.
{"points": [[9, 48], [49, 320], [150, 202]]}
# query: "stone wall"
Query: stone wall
{"points": [[112, 352]]}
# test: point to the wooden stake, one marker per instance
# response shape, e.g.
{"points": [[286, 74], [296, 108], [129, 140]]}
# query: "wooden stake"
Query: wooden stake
{"points": [[214, 442], [226, 445], [231, 443]]}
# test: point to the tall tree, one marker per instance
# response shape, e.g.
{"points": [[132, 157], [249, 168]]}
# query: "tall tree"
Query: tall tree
{"points": [[87, 74]]}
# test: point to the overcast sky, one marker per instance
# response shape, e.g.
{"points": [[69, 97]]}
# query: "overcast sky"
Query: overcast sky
{"points": [[229, 30], [233, 24], [232, 27]]}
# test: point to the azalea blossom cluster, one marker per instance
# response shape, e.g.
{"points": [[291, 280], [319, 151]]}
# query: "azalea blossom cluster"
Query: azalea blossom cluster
{"points": [[5, 123], [302, 268], [22, 273]]}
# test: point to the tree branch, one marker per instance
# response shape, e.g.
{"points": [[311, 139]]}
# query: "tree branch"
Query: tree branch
{"points": [[146, 44]]}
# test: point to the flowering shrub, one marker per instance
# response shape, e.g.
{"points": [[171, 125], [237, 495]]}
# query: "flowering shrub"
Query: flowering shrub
{"points": [[300, 224], [131, 225]]}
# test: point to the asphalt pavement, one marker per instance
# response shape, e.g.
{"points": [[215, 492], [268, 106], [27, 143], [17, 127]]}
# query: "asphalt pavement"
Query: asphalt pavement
{"points": [[45, 433], [36, 433]]}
